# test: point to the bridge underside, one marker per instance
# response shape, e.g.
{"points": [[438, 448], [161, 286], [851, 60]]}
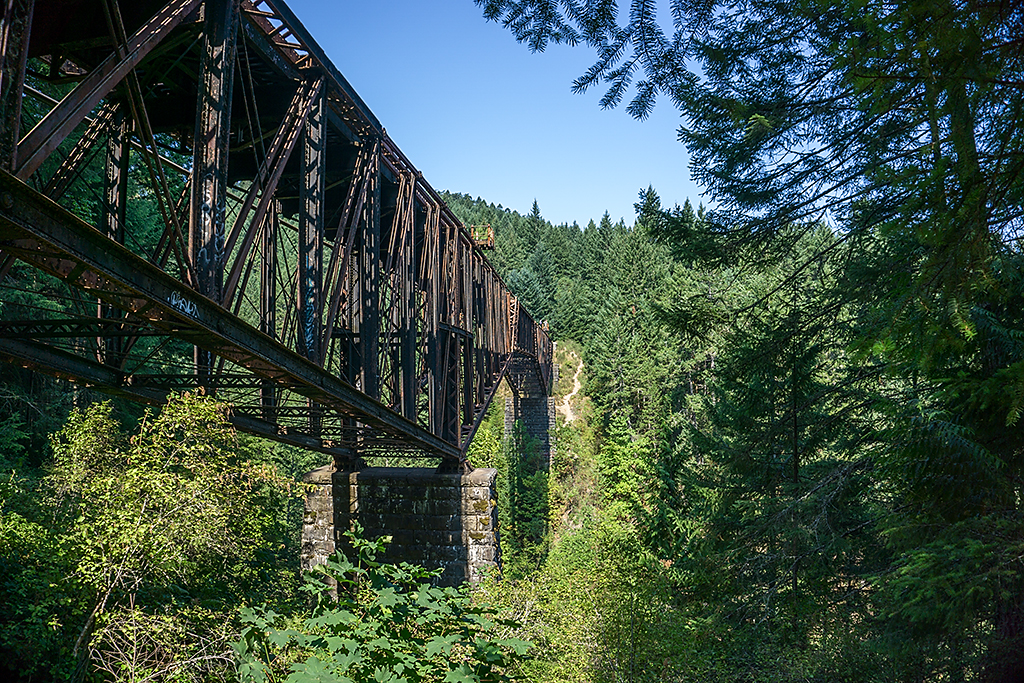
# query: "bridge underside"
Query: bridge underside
{"points": [[193, 197]]}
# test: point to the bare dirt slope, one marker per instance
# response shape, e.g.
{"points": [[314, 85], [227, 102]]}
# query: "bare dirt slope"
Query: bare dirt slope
{"points": [[565, 407]]}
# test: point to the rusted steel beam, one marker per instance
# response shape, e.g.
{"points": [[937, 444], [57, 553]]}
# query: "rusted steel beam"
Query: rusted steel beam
{"points": [[71, 328], [311, 230], [76, 160], [291, 436], [312, 170], [369, 286], [115, 185], [70, 367], [268, 299], [112, 219], [338, 285], [264, 186], [430, 274], [450, 332], [408, 293], [254, 33], [54, 240], [73, 368], [35, 147], [180, 382], [210, 151], [368, 124], [468, 397]]}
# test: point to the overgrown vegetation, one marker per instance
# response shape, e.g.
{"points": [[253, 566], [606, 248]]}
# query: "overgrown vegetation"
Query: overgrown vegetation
{"points": [[170, 553], [380, 622], [129, 556], [807, 399]]}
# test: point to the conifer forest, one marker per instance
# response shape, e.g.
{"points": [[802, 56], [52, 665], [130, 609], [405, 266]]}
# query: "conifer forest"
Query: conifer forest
{"points": [[789, 435]]}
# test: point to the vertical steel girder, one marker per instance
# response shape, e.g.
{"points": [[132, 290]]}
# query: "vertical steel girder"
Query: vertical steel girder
{"points": [[268, 303], [311, 235], [112, 217], [115, 186], [369, 285], [208, 206], [399, 330], [407, 301], [467, 263], [15, 29], [432, 260], [311, 231]]}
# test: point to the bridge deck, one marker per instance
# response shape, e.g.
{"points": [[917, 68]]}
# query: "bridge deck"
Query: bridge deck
{"points": [[192, 195]]}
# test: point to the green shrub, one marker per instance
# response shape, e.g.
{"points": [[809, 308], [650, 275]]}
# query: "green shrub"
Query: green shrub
{"points": [[382, 623]]}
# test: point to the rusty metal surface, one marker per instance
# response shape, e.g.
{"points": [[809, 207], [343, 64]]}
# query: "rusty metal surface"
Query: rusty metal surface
{"points": [[293, 261]]}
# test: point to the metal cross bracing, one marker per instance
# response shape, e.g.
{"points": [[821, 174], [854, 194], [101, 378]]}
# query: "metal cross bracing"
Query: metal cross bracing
{"points": [[192, 196]]}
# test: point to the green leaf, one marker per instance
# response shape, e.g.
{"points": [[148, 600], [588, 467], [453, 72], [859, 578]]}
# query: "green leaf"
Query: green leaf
{"points": [[313, 671], [441, 644], [461, 675], [521, 647]]}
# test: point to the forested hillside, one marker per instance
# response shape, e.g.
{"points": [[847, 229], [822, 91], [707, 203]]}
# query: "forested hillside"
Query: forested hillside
{"points": [[823, 478], [760, 488]]}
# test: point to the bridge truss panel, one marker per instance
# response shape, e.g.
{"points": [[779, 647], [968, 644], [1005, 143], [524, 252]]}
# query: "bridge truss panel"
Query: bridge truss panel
{"points": [[288, 258]]}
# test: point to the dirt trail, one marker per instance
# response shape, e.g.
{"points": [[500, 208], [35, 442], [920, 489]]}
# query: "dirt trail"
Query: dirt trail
{"points": [[566, 406]]}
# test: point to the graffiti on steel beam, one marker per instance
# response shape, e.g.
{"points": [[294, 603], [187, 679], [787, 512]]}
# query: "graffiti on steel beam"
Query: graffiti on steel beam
{"points": [[183, 305]]}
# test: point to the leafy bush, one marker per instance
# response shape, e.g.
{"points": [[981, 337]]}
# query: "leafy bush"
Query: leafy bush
{"points": [[129, 558], [381, 623]]}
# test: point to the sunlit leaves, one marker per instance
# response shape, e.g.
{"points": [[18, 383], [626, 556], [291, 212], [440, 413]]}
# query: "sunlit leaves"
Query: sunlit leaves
{"points": [[144, 546], [386, 623]]}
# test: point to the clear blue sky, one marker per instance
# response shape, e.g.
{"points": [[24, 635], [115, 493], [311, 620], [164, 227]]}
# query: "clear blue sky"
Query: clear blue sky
{"points": [[478, 113]]}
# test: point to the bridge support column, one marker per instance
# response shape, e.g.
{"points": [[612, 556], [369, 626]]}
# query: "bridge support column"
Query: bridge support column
{"points": [[208, 204], [537, 415], [318, 520], [437, 520], [532, 407]]}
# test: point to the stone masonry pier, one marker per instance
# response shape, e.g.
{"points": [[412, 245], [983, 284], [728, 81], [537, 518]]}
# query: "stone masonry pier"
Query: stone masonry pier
{"points": [[435, 519], [536, 414], [530, 404]]}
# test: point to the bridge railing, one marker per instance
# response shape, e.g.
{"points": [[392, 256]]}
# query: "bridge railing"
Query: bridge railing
{"points": [[279, 250]]}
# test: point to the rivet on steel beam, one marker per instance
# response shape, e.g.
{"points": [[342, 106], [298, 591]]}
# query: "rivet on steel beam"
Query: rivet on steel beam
{"points": [[6, 201]]}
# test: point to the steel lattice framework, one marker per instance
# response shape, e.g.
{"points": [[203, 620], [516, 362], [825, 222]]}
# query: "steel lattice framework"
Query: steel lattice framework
{"points": [[296, 264]]}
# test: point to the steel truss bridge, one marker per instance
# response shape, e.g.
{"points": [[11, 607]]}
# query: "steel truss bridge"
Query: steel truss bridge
{"points": [[292, 262]]}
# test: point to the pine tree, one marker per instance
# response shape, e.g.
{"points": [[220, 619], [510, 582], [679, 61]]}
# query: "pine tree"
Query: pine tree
{"points": [[534, 227]]}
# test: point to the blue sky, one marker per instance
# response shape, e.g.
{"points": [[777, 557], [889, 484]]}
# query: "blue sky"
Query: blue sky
{"points": [[478, 113]]}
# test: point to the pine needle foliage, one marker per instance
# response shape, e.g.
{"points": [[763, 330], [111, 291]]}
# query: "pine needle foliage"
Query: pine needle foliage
{"points": [[859, 340]]}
